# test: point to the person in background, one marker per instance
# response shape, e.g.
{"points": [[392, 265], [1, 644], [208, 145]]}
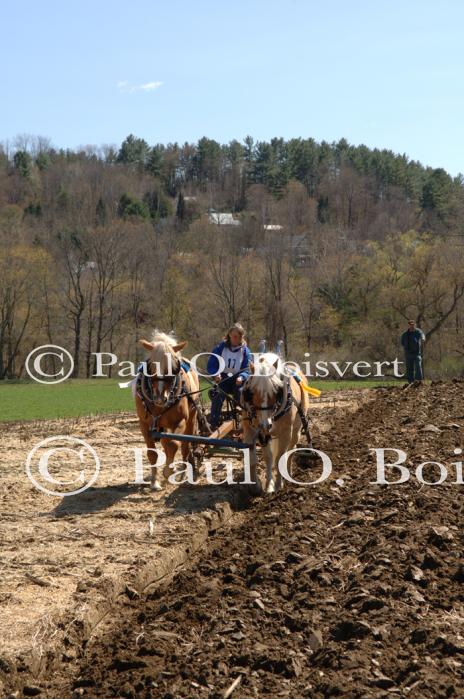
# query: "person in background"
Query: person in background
{"points": [[279, 348], [236, 355], [412, 341], [262, 346]]}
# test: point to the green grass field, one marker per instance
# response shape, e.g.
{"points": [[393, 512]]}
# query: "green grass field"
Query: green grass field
{"points": [[27, 400]]}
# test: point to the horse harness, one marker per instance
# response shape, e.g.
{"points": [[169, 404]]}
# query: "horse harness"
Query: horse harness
{"points": [[280, 407], [177, 391]]}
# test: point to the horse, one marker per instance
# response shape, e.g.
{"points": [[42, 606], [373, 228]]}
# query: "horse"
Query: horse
{"points": [[166, 399], [273, 403]]}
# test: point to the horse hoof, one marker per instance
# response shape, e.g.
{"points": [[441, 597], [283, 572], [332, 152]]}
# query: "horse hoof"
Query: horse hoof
{"points": [[156, 487], [256, 489], [270, 488]]}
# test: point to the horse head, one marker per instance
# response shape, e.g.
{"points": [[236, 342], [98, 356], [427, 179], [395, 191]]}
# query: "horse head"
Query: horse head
{"points": [[262, 395], [163, 364]]}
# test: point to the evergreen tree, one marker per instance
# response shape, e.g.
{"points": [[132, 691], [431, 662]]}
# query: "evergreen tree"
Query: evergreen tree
{"points": [[22, 163], [436, 191], [133, 151], [132, 207], [180, 210]]}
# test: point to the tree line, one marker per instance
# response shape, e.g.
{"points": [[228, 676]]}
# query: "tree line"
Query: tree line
{"points": [[99, 245]]}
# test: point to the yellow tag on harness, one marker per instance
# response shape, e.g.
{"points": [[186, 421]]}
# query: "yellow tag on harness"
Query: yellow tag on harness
{"points": [[315, 392]]}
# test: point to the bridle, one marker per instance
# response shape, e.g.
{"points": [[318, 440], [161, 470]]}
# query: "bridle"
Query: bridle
{"points": [[278, 409], [283, 403], [177, 391], [156, 403]]}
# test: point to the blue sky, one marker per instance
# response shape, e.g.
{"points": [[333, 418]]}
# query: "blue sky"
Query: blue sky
{"points": [[388, 73]]}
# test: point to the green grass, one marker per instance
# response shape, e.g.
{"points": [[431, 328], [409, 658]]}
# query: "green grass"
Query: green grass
{"points": [[72, 398], [329, 385], [27, 400]]}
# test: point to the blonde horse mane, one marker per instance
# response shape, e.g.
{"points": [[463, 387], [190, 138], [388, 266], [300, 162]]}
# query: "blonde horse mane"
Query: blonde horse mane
{"points": [[265, 378], [158, 336], [161, 346]]}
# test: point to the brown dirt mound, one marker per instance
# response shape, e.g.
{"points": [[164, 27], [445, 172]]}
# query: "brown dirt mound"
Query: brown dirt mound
{"points": [[340, 589]]}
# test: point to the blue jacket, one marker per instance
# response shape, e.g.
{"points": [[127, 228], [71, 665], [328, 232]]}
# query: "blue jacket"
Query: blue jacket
{"points": [[411, 341], [212, 366]]}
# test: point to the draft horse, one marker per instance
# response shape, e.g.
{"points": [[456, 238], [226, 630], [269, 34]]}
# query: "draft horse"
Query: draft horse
{"points": [[274, 405], [166, 400]]}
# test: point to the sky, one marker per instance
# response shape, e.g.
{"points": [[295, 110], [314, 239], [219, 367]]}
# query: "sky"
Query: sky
{"points": [[388, 74]]}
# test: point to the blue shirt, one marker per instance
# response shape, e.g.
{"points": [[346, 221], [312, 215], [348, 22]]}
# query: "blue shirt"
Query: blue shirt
{"points": [[243, 356]]}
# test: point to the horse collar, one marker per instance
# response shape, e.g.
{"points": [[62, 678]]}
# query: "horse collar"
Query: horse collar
{"points": [[145, 392], [284, 408]]}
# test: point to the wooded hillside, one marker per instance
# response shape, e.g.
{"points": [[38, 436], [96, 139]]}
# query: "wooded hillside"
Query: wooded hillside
{"points": [[330, 247]]}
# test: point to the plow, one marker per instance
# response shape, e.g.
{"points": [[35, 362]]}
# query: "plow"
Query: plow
{"points": [[228, 437]]}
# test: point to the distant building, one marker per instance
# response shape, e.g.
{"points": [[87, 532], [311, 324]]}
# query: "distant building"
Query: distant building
{"points": [[222, 219], [272, 227]]}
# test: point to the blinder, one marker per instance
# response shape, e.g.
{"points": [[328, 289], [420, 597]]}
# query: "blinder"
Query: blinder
{"points": [[247, 395], [177, 390]]}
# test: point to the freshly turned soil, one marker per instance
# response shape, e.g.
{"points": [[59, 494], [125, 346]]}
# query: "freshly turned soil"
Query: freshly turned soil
{"points": [[345, 588]]}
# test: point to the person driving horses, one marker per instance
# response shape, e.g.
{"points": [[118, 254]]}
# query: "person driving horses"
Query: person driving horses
{"points": [[236, 356]]}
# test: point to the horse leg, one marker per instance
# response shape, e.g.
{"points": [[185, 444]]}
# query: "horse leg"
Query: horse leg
{"points": [[186, 448], [269, 457], [170, 448], [187, 453], [284, 441], [249, 438], [282, 447], [295, 435], [257, 487], [152, 455], [293, 443]]}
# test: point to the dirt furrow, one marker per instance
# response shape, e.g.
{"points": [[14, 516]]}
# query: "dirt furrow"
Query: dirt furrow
{"points": [[344, 588]]}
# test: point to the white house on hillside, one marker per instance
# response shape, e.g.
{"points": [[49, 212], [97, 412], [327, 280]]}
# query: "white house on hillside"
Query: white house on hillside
{"points": [[222, 219], [272, 227]]}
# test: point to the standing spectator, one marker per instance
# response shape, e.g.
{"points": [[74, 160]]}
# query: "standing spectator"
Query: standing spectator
{"points": [[412, 340], [278, 348]]}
